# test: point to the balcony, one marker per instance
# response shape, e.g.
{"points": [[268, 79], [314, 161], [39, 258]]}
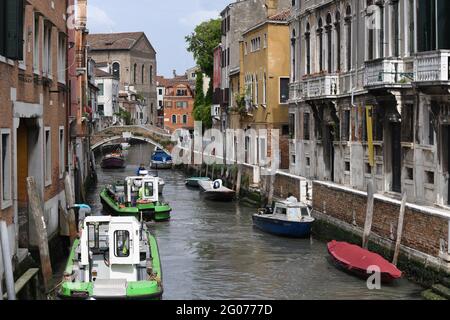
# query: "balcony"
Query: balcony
{"points": [[295, 91], [432, 67], [386, 73], [320, 86]]}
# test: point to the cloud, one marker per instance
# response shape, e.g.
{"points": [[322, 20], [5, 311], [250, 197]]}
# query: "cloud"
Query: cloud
{"points": [[99, 20], [198, 17]]}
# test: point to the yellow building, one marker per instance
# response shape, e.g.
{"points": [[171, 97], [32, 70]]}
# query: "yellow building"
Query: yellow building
{"points": [[264, 80]]}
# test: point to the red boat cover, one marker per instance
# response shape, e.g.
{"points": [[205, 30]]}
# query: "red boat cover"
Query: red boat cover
{"points": [[356, 257]]}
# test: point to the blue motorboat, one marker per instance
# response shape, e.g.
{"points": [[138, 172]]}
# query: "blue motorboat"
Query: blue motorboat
{"points": [[285, 218], [161, 160]]}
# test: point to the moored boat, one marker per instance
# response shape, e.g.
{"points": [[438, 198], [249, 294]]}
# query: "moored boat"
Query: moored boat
{"points": [[113, 161], [136, 196], [286, 218], [214, 190], [194, 181], [115, 258], [361, 262], [161, 160]]}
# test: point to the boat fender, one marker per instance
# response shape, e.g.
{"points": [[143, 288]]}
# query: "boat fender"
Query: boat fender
{"points": [[217, 184]]}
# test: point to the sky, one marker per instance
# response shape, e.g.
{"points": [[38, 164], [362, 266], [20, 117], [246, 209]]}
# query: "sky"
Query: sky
{"points": [[165, 22]]}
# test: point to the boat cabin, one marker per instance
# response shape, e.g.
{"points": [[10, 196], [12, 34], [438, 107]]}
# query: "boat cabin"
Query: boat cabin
{"points": [[143, 188], [110, 249], [294, 211]]}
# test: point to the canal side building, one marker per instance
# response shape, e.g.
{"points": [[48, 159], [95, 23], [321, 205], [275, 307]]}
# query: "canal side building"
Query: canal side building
{"points": [[132, 59], [178, 102], [34, 95], [369, 101]]}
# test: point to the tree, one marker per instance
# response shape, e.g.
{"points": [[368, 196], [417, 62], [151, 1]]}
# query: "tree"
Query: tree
{"points": [[199, 94], [202, 42]]}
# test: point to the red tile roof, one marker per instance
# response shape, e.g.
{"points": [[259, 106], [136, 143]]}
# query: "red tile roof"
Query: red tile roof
{"points": [[114, 41], [280, 16]]}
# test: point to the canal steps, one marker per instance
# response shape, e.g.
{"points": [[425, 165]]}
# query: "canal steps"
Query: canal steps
{"points": [[440, 291]]}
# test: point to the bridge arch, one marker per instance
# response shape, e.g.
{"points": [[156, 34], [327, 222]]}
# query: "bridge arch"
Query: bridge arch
{"points": [[127, 137]]}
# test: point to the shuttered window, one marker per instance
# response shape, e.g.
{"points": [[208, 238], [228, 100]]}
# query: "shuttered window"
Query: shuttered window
{"points": [[11, 29]]}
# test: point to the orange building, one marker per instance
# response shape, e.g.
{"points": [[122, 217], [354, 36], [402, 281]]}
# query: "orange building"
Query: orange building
{"points": [[178, 102]]}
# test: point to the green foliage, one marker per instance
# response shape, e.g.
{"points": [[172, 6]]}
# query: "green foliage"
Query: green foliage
{"points": [[125, 116], [199, 95], [202, 42], [203, 113], [239, 104]]}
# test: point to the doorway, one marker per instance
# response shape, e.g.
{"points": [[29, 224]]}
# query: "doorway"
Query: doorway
{"points": [[330, 132], [28, 164], [396, 154]]}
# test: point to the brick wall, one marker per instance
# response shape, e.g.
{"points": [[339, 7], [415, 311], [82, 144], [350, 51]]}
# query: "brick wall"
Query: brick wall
{"points": [[421, 231]]}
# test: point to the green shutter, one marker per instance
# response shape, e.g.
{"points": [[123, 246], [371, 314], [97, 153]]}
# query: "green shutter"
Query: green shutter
{"points": [[14, 29]]}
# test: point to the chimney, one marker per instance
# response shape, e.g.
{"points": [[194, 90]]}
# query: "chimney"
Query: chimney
{"points": [[174, 73], [81, 13], [271, 7]]}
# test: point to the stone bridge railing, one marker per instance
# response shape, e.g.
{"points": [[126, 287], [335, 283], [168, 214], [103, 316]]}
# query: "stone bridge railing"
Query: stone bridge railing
{"points": [[150, 134]]}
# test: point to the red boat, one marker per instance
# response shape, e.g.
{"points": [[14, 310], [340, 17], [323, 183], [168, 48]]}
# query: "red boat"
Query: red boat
{"points": [[358, 260]]}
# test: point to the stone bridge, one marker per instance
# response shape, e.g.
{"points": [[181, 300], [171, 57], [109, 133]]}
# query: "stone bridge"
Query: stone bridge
{"points": [[150, 134]]}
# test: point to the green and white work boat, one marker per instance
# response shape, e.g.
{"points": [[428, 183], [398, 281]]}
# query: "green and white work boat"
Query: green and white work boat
{"points": [[136, 196], [114, 258]]}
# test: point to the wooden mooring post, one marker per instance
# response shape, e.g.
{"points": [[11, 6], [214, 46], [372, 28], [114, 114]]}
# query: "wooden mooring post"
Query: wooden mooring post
{"points": [[369, 214], [70, 203], [37, 211], [7, 263], [238, 180], [399, 230]]}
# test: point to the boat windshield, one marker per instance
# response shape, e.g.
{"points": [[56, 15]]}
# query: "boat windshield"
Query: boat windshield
{"points": [[98, 237], [148, 189], [280, 210], [305, 212]]}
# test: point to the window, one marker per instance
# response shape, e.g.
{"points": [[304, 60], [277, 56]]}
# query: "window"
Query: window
{"points": [[142, 74], [396, 27], [101, 109], [184, 119], [338, 41], [255, 44], [256, 89], [62, 150], [122, 242], [11, 29], [264, 97], [134, 72], [48, 156], [347, 166], [62, 55], [174, 119], [348, 23], [181, 92], [293, 56], [308, 161], [160, 103], [182, 104], [160, 92], [308, 48], [168, 104], [346, 126], [292, 125], [5, 165], [47, 52], [148, 189], [101, 89], [284, 90], [411, 26], [409, 173], [320, 41], [116, 70], [306, 130], [429, 176], [328, 28], [36, 50], [368, 168]]}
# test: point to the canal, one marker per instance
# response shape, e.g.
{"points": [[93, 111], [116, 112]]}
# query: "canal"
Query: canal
{"points": [[211, 251]]}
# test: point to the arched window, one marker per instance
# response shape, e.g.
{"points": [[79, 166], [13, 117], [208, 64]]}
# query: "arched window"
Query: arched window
{"points": [[348, 41], [293, 55], [328, 29], [134, 72], [320, 40], [142, 74], [151, 74], [174, 118], [116, 70], [184, 119], [308, 48], [338, 41]]}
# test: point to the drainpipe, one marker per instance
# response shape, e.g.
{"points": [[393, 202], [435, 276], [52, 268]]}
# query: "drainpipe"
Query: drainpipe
{"points": [[7, 261]]}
